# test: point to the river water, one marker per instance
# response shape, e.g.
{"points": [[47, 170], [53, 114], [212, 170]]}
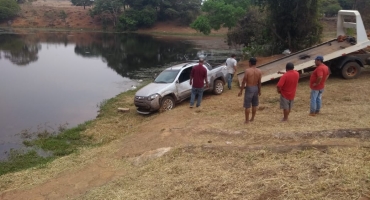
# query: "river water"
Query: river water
{"points": [[49, 79]]}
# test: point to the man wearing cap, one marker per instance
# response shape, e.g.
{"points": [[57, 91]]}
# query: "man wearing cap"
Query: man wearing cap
{"points": [[287, 87], [317, 84], [198, 76], [252, 84], [231, 69]]}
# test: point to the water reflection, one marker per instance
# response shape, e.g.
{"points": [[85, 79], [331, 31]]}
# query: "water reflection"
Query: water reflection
{"points": [[132, 53], [56, 78], [18, 50]]}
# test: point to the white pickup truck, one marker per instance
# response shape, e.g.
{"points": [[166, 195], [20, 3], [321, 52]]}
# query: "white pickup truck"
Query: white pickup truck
{"points": [[172, 86], [342, 56]]}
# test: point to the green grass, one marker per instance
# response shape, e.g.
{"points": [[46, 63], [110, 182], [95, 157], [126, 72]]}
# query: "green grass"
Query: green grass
{"points": [[182, 34], [18, 161], [66, 141], [62, 144]]}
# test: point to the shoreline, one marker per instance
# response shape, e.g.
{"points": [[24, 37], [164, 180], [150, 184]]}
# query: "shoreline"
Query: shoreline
{"points": [[153, 33]]}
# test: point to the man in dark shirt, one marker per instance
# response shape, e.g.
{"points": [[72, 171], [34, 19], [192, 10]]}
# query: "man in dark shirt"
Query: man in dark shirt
{"points": [[287, 87], [197, 78]]}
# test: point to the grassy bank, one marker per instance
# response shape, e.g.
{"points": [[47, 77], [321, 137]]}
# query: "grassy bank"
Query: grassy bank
{"points": [[52, 145], [55, 145], [212, 154]]}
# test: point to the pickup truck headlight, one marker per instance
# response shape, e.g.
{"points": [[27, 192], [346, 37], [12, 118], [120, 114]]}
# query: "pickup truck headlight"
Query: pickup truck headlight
{"points": [[152, 97]]}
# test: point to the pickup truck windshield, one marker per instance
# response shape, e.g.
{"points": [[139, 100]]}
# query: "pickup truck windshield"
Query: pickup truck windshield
{"points": [[167, 76]]}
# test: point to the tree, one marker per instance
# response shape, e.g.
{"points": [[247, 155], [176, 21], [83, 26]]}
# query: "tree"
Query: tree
{"points": [[144, 13], [107, 9], [251, 31], [63, 15], [363, 7], [132, 19], [294, 24], [8, 9], [330, 7], [220, 13], [83, 3], [184, 11], [347, 4]]}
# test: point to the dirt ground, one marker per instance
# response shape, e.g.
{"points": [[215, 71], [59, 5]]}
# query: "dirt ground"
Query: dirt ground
{"points": [[46, 14], [209, 153]]}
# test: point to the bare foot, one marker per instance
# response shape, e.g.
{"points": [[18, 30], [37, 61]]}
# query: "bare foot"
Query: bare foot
{"points": [[246, 122], [252, 120], [284, 120]]}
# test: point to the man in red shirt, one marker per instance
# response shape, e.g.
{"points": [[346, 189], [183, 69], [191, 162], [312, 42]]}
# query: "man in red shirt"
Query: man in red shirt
{"points": [[317, 84], [287, 87], [197, 78]]}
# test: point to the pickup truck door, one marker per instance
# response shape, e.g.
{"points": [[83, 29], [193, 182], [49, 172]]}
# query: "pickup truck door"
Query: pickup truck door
{"points": [[183, 84]]}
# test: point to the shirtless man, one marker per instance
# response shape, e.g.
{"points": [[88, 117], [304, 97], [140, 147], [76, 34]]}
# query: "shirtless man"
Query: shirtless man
{"points": [[252, 84]]}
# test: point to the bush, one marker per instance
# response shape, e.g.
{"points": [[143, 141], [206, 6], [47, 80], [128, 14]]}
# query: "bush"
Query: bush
{"points": [[332, 10], [127, 23], [63, 15], [202, 24], [133, 19], [8, 9]]}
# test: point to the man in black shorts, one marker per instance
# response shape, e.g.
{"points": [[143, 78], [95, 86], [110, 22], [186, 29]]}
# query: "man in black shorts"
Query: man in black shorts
{"points": [[252, 84], [287, 87]]}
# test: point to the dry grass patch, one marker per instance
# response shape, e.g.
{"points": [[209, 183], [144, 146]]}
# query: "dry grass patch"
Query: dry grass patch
{"points": [[202, 173], [230, 160]]}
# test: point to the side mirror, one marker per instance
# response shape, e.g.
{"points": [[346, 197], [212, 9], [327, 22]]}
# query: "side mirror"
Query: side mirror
{"points": [[177, 81]]}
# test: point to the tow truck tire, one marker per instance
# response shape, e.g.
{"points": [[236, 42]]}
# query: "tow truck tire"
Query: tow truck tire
{"points": [[351, 70], [167, 103], [218, 87]]}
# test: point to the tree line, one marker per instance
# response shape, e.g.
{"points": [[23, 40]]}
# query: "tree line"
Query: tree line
{"points": [[256, 24], [133, 14], [272, 25]]}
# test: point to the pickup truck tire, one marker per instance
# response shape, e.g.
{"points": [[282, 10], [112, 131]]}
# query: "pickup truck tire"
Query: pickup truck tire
{"points": [[167, 103], [218, 87], [351, 70]]}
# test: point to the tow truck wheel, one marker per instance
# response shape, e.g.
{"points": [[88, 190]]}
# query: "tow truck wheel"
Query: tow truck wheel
{"points": [[167, 103], [218, 87], [351, 70]]}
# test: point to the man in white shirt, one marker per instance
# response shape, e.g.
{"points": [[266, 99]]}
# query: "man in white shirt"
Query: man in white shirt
{"points": [[231, 69]]}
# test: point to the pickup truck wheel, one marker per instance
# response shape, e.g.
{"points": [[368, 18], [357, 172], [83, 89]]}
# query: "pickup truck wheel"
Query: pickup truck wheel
{"points": [[351, 70], [218, 87], [167, 103]]}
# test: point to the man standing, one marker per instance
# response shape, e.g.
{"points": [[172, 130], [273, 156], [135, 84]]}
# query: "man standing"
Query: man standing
{"points": [[317, 84], [197, 78], [231, 69], [252, 84], [287, 87]]}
